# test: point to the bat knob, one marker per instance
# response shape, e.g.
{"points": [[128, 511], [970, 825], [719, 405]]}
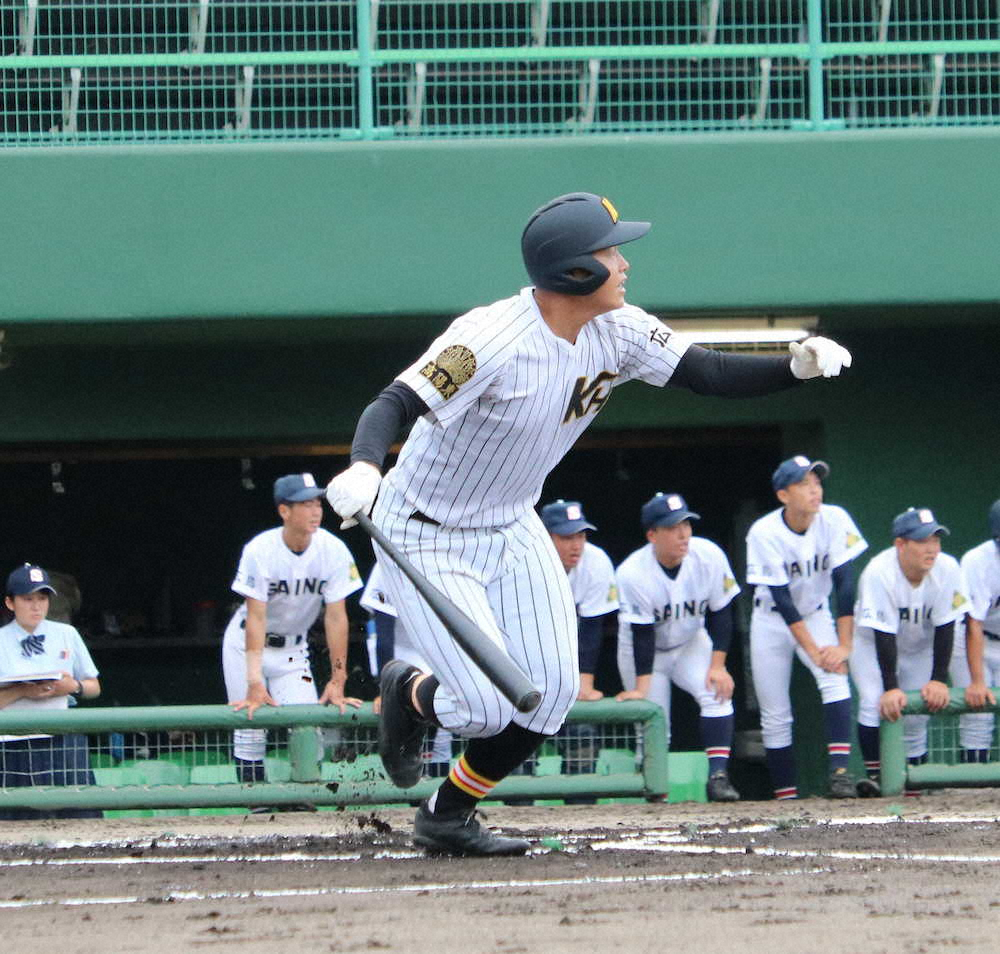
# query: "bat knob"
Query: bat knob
{"points": [[529, 702]]}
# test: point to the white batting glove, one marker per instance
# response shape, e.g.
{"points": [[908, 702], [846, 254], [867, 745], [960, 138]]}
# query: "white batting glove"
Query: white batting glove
{"points": [[353, 490], [818, 356]]}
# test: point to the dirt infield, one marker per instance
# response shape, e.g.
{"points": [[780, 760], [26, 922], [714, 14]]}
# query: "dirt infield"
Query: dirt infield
{"points": [[904, 876]]}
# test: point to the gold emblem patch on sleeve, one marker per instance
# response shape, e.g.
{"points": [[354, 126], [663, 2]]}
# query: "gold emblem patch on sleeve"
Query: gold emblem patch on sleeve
{"points": [[957, 600], [450, 369]]}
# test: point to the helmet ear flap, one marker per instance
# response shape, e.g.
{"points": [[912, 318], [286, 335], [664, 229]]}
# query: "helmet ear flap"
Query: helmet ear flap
{"points": [[559, 279]]}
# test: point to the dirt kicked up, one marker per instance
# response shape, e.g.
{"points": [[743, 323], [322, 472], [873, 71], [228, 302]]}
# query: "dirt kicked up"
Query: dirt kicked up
{"points": [[903, 876]]}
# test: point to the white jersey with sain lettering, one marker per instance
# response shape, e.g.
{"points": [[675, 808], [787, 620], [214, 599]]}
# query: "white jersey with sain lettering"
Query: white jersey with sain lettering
{"points": [[888, 602], [778, 556], [675, 607], [981, 566], [294, 585], [592, 581], [508, 399]]}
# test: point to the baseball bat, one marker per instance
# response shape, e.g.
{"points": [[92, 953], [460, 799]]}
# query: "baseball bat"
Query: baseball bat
{"points": [[498, 667]]}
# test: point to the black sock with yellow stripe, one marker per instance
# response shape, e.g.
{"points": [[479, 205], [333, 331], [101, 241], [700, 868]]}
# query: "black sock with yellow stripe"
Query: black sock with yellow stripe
{"points": [[485, 763]]}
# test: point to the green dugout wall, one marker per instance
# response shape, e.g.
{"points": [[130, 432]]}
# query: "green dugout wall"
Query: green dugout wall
{"points": [[241, 297]]}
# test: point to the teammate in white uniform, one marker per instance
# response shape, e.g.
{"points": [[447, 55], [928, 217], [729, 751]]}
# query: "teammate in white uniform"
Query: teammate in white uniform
{"points": [[286, 575], [976, 660], [591, 576], [676, 624], [796, 556], [497, 400], [909, 598], [393, 642]]}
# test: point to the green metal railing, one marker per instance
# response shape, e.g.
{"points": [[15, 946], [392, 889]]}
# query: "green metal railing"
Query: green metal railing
{"points": [[308, 784], [943, 768], [107, 71]]}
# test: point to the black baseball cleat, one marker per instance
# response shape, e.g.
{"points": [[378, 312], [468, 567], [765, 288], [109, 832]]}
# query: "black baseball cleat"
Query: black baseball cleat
{"points": [[841, 784], [720, 789], [460, 834], [400, 731], [868, 787]]}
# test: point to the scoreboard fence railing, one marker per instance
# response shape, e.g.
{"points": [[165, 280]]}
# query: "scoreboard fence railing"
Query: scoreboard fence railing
{"points": [[163, 71]]}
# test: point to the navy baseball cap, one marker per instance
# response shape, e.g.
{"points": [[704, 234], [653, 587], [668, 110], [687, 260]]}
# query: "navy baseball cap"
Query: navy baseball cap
{"points": [[28, 579], [794, 469], [294, 488], [917, 523], [665, 510], [565, 517]]}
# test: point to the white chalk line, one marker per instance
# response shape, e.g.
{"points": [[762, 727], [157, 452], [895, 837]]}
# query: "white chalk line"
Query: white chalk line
{"points": [[264, 893]]}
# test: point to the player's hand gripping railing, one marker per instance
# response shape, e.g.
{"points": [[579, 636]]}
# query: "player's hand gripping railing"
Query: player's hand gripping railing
{"points": [[354, 777], [943, 768]]}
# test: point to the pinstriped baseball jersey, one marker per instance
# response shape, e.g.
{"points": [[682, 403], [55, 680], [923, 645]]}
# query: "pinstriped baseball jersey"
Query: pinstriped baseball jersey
{"points": [[778, 556], [981, 566], [374, 597], [592, 581], [508, 399], [294, 585], [676, 607]]}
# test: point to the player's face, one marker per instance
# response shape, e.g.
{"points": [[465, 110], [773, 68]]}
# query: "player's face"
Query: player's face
{"points": [[302, 517], [804, 497], [29, 610], [916, 557], [611, 294], [569, 548], [671, 544]]}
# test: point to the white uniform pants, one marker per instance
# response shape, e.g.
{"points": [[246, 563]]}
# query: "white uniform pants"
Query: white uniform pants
{"points": [[510, 581], [975, 728], [685, 666], [287, 677], [772, 649], [913, 670]]}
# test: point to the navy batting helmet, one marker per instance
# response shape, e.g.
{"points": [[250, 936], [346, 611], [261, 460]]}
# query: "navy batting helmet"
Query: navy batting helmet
{"points": [[993, 519], [563, 233]]}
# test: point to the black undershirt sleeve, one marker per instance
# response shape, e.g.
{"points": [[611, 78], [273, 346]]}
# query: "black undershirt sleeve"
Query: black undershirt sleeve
{"points": [[844, 588], [724, 374], [784, 604], [643, 647], [394, 409], [944, 638], [885, 649], [589, 630], [719, 624]]}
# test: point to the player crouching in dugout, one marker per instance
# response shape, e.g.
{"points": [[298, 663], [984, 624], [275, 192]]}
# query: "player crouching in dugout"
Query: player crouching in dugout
{"points": [[42, 664]]}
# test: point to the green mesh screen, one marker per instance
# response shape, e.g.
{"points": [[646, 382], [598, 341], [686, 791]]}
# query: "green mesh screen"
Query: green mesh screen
{"points": [[87, 71]]}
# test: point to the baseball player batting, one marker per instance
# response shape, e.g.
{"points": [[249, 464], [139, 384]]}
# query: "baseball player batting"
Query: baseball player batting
{"points": [[285, 576], [495, 403], [797, 556], [676, 625]]}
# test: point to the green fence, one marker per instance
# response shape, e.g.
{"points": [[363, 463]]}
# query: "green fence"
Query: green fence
{"points": [[180, 757], [99, 71], [944, 767]]}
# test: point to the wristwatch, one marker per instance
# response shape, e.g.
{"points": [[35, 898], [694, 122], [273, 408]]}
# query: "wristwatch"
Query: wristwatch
{"points": [[78, 691]]}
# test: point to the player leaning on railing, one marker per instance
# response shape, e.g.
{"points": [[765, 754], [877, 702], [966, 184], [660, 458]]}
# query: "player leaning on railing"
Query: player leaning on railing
{"points": [[495, 403]]}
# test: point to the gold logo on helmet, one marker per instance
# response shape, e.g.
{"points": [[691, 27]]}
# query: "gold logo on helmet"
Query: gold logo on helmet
{"points": [[611, 210], [450, 369]]}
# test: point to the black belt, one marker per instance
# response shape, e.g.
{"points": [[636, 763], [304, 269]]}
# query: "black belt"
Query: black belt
{"points": [[423, 518], [994, 636], [279, 642]]}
